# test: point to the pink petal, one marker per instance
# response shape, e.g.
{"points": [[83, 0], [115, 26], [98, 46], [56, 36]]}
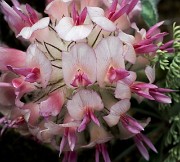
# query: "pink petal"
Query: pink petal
{"points": [[124, 133], [91, 3], [31, 113], [139, 34], [146, 49], [70, 156], [166, 45], [105, 153], [148, 142], [97, 15], [153, 29], [13, 19], [145, 94], [115, 75], [164, 90], [3, 84], [119, 13], [52, 106], [72, 139], [57, 9], [144, 85], [94, 119], [84, 123], [160, 97], [33, 15], [131, 124], [132, 5], [141, 148], [13, 57], [15, 3], [82, 16], [97, 155], [62, 144]]}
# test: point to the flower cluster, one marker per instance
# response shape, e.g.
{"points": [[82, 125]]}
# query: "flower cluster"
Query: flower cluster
{"points": [[78, 75]]}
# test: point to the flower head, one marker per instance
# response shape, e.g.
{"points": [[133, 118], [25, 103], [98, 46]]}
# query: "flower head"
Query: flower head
{"points": [[73, 87]]}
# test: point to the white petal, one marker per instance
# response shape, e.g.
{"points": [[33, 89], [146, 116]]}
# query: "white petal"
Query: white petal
{"points": [[130, 79], [91, 99], [150, 73], [26, 32], [75, 107], [111, 120], [35, 58], [108, 52], [67, 31], [122, 91], [126, 38], [79, 32], [69, 66], [139, 34], [82, 100], [97, 15], [129, 53], [120, 107], [80, 57], [64, 26]]}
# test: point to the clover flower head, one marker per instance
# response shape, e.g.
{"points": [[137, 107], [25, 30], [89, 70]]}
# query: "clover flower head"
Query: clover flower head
{"points": [[77, 76]]}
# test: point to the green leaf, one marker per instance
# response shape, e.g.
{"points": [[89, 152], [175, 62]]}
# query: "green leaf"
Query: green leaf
{"points": [[149, 12]]}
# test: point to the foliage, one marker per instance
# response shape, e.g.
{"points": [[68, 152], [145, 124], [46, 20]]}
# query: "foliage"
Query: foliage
{"points": [[173, 81], [149, 12]]}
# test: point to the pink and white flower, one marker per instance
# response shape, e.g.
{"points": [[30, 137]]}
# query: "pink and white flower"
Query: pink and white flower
{"points": [[118, 113], [83, 106], [145, 90], [24, 21], [76, 27], [83, 58], [110, 61], [79, 66], [98, 139]]}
